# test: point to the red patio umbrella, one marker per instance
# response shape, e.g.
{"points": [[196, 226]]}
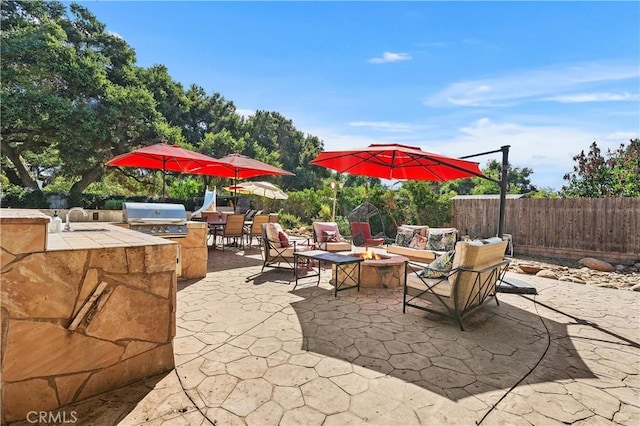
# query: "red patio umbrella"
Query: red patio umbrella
{"points": [[166, 157], [241, 167], [394, 161]]}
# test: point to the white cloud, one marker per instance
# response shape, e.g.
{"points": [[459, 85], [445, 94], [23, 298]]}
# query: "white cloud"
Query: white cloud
{"points": [[537, 84], [547, 149], [390, 57], [593, 97], [384, 126]]}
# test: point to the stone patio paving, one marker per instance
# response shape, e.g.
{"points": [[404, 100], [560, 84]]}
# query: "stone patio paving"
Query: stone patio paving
{"points": [[261, 353]]}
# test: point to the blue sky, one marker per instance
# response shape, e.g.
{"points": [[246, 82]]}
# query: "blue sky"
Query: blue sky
{"points": [[456, 78]]}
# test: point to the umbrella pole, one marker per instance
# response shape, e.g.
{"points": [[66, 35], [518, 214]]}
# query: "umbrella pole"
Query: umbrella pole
{"points": [[235, 193]]}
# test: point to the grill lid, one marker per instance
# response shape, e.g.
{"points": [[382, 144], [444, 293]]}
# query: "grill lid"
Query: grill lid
{"points": [[153, 213]]}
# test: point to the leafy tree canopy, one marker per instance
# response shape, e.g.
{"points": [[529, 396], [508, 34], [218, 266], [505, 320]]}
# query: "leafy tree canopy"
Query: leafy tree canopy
{"points": [[615, 174]]}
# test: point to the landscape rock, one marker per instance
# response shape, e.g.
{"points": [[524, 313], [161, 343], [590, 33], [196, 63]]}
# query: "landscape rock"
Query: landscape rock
{"points": [[545, 273], [530, 269], [572, 279], [598, 265], [626, 278]]}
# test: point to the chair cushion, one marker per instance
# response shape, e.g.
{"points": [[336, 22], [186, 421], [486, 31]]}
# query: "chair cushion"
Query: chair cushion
{"points": [[341, 246], [416, 285], [374, 241], [273, 234], [320, 229]]}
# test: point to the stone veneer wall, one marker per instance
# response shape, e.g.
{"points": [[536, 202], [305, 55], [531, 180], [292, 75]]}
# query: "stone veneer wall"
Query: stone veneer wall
{"points": [[124, 337]]}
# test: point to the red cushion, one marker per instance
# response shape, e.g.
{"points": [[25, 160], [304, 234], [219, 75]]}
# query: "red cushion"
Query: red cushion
{"points": [[284, 240], [374, 241]]}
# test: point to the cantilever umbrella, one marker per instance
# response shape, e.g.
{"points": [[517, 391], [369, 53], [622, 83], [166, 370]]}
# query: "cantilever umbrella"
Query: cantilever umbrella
{"points": [[394, 161], [263, 189], [166, 158], [241, 166]]}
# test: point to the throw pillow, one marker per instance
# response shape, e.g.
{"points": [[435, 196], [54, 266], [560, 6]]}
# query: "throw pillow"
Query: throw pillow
{"points": [[330, 236], [319, 229], [284, 240], [418, 242], [440, 266], [404, 236], [442, 240]]}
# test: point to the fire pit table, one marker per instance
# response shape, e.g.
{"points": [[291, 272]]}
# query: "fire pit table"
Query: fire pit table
{"points": [[344, 268], [378, 270]]}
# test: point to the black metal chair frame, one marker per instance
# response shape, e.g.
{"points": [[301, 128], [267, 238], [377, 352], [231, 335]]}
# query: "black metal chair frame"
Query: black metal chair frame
{"points": [[283, 254]]}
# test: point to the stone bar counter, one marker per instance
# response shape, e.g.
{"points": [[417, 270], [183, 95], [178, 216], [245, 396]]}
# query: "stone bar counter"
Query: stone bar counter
{"points": [[83, 312]]}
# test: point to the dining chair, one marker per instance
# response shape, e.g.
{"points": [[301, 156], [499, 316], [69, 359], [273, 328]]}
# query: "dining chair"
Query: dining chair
{"points": [[233, 228], [255, 228]]}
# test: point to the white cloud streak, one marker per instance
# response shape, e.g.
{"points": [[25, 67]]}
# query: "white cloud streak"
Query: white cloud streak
{"points": [[547, 149], [384, 126], [551, 84], [593, 97], [390, 57]]}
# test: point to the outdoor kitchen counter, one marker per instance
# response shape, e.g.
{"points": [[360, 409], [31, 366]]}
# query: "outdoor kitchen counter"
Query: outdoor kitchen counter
{"points": [[83, 311], [91, 235]]}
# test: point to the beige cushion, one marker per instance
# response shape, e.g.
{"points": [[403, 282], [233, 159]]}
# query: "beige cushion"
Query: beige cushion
{"points": [[273, 231], [412, 253], [288, 251], [416, 286], [341, 246]]}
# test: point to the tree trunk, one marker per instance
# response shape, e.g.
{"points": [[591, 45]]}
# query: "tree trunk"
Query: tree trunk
{"points": [[22, 170], [89, 177]]}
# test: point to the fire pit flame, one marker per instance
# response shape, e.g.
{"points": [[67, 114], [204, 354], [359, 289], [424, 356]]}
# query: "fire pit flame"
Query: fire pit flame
{"points": [[369, 255]]}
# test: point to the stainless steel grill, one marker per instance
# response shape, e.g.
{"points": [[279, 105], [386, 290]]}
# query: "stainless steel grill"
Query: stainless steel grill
{"points": [[161, 220]]}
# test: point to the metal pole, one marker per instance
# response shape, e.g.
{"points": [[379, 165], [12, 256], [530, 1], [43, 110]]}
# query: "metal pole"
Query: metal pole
{"points": [[334, 186], [504, 184]]}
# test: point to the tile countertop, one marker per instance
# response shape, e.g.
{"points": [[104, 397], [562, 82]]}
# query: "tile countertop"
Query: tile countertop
{"points": [[23, 216], [92, 235]]}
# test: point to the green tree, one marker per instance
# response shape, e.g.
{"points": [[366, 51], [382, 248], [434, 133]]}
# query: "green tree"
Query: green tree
{"points": [[518, 178], [615, 174], [70, 96]]}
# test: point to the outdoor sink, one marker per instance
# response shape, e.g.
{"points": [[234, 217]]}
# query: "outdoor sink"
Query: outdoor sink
{"points": [[87, 230]]}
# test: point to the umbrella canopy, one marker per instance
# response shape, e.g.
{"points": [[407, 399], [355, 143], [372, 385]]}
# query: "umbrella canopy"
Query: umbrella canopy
{"points": [[394, 161], [165, 157], [241, 167], [263, 189]]}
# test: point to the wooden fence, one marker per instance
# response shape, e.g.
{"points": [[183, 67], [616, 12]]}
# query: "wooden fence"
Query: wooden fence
{"points": [[605, 228]]}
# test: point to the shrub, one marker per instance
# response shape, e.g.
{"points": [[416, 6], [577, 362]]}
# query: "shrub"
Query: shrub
{"points": [[113, 204]]}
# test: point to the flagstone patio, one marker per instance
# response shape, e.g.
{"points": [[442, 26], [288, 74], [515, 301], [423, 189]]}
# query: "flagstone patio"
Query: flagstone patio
{"points": [[258, 352]]}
